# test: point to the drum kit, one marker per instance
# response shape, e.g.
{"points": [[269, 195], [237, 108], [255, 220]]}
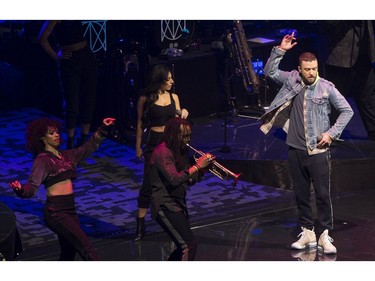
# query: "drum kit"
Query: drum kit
{"points": [[128, 62]]}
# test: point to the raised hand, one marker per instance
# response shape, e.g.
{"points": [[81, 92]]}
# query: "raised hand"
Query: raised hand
{"points": [[287, 42], [109, 121]]}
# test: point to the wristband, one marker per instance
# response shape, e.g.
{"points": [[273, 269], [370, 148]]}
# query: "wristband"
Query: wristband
{"points": [[196, 168]]}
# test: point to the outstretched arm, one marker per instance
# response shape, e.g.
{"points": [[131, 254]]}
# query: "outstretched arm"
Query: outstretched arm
{"points": [[23, 191], [15, 185], [85, 150]]}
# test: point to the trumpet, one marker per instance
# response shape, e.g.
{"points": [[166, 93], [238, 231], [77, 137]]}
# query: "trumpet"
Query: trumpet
{"points": [[218, 169]]}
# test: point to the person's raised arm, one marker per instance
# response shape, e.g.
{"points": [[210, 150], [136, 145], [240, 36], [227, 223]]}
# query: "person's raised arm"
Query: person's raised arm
{"points": [[23, 191], [109, 121], [288, 42]]}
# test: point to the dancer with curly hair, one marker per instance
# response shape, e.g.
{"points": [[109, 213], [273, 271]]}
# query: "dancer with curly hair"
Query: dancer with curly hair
{"points": [[55, 169]]}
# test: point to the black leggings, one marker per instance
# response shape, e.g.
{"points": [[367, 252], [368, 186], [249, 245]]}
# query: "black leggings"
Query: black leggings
{"points": [[61, 217], [177, 226], [78, 81]]}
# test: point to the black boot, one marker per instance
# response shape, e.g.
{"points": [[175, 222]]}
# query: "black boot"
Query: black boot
{"points": [[140, 229], [70, 143]]}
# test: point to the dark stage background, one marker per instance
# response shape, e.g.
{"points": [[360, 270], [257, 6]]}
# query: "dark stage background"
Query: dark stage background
{"points": [[28, 76]]}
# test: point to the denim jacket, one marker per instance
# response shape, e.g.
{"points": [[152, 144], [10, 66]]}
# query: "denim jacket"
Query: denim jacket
{"points": [[320, 96]]}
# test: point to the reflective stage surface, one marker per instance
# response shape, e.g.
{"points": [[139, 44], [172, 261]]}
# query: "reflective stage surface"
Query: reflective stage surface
{"points": [[250, 222]]}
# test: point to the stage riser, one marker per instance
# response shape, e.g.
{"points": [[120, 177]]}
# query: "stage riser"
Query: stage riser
{"points": [[347, 174]]}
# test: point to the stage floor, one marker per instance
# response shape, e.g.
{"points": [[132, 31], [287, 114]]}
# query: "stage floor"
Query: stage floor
{"points": [[250, 222]]}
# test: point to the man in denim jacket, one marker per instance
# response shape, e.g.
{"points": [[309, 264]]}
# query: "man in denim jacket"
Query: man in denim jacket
{"points": [[302, 109]]}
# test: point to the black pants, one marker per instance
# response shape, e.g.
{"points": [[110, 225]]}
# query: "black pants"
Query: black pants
{"points": [[78, 81], [61, 217], [177, 226], [306, 170], [144, 198]]}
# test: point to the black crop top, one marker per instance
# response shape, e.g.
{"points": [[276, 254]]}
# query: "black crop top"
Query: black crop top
{"points": [[49, 169], [159, 115], [69, 32]]}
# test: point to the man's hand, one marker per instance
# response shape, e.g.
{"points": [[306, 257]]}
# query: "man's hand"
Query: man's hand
{"points": [[205, 160], [324, 140], [287, 42]]}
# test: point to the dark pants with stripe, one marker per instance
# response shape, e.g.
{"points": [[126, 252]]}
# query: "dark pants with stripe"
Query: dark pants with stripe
{"points": [[177, 226], [307, 170], [61, 217]]}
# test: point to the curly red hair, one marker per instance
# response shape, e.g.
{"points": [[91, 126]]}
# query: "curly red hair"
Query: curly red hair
{"points": [[37, 129]]}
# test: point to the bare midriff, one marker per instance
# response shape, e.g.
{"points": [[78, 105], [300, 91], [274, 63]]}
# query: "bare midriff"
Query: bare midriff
{"points": [[159, 129], [61, 188]]}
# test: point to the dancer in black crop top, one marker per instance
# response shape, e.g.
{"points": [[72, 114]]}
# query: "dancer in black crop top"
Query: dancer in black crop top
{"points": [[159, 115], [78, 72], [55, 169], [156, 105]]}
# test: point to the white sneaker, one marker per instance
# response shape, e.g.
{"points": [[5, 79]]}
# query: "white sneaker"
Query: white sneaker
{"points": [[325, 243], [307, 240], [304, 255]]}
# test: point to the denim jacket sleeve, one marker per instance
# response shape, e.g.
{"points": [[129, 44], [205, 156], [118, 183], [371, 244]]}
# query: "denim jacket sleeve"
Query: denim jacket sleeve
{"points": [[277, 113], [338, 101], [271, 68]]}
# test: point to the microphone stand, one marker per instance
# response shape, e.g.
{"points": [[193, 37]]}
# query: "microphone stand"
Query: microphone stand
{"points": [[226, 148], [230, 104]]}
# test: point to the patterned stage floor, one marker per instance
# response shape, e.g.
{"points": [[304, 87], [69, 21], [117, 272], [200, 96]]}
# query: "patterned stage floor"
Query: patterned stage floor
{"points": [[107, 187]]}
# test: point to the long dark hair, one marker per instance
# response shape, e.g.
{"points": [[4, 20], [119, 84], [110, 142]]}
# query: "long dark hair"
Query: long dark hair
{"points": [[157, 77], [173, 140], [36, 130]]}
